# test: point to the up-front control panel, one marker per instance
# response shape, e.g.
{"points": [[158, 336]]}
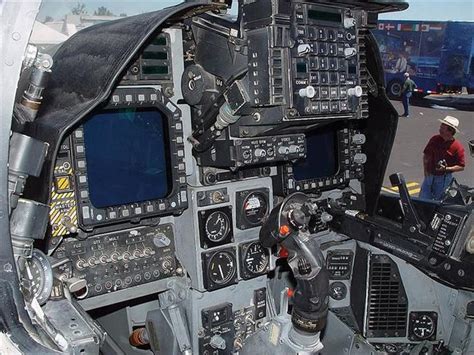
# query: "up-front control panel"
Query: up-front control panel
{"points": [[325, 61], [255, 151], [122, 259]]}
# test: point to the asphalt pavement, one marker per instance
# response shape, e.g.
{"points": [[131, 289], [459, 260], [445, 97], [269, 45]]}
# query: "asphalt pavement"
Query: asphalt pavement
{"points": [[413, 134]]}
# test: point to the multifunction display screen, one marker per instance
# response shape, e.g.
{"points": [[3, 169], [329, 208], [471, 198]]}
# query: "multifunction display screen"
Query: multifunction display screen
{"points": [[321, 156], [126, 156]]}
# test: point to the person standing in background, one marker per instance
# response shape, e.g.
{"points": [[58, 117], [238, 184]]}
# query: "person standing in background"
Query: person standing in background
{"points": [[401, 64], [407, 91], [443, 155]]}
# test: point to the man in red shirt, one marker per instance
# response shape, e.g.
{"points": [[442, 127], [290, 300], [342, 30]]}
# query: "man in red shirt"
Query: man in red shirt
{"points": [[443, 155]]}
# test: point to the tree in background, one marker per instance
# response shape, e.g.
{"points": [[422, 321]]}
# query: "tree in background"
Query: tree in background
{"points": [[79, 9], [103, 11]]}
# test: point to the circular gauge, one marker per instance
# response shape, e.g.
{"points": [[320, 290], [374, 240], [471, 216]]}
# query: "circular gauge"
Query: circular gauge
{"points": [[221, 267], [256, 258], [337, 291], [423, 326], [255, 207], [217, 226], [37, 277]]}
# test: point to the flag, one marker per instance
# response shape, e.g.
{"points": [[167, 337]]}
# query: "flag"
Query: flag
{"points": [[436, 26], [408, 27], [389, 27], [381, 26], [425, 27]]}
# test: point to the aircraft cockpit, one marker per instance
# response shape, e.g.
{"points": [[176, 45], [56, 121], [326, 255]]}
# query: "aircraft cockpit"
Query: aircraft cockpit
{"points": [[184, 181]]}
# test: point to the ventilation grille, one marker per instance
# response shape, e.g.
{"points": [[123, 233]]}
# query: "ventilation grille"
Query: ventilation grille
{"points": [[387, 308]]}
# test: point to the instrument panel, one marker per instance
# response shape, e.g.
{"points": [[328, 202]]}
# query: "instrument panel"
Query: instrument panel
{"points": [[123, 259], [164, 187], [326, 62]]}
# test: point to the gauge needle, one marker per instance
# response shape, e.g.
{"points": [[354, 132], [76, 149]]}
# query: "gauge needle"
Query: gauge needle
{"points": [[222, 272]]}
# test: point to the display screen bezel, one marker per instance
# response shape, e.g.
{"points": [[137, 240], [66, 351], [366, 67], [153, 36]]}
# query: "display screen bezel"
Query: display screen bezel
{"points": [[90, 217]]}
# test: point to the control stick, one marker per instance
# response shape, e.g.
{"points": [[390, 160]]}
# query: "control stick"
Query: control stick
{"points": [[288, 225]]}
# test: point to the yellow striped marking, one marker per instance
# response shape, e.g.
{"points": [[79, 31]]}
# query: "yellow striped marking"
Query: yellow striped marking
{"points": [[63, 183], [413, 189]]}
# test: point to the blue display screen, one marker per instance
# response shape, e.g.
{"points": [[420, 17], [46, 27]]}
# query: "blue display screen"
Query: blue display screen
{"points": [[321, 157], [126, 157]]}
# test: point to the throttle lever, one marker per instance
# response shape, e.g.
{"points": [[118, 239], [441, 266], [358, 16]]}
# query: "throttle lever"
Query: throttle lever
{"points": [[412, 221]]}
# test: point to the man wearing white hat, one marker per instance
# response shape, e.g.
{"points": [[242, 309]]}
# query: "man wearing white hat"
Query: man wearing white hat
{"points": [[443, 155]]}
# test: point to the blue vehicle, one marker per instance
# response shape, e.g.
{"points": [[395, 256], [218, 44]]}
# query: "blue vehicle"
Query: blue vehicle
{"points": [[438, 55]]}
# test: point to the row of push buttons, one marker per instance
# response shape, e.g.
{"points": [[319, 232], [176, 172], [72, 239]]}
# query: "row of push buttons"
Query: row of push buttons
{"points": [[326, 92], [129, 98], [325, 78], [323, 34], [323, 63], [323, 49], [317, 107]]}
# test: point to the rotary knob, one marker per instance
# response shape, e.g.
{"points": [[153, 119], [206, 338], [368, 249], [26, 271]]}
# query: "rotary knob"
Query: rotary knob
{"points": [[161, 240], [358, 138], [294, 149], [304, 48], [349, 52], [355, 91], [283, 150], [218, 342], [260, 153], [360, 158], [308, 92], [349, 22]]}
